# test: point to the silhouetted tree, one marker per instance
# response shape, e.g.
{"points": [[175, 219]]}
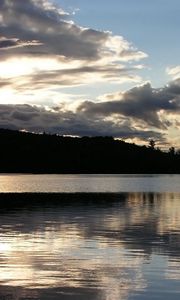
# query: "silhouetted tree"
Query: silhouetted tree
{"points": [[172, 151], [178, 152], [158, 149], [152, 144]]}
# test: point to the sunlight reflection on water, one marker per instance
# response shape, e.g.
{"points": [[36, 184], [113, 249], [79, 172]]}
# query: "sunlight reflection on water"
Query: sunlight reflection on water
{"points": [[89, 183], [118, 250]]}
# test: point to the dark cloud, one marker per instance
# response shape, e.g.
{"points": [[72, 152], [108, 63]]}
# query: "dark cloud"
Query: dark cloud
{"points": [[8, 43], [38, 119], [15, 43], [173, 88], [140, 103], [44, 22], [56, 51], [122, 115], [38, 20]]}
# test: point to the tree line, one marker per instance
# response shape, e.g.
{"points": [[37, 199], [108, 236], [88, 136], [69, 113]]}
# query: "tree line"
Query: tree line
{"points": [[22, 152]]}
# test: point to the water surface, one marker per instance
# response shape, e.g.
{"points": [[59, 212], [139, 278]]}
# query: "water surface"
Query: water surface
{"points": [[89, 183], [123, 247]]}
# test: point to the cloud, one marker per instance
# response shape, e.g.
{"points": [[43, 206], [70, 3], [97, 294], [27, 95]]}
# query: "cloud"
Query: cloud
{"points": [[66, 122], [174, 72], [142, 103], [43, 50], [39, 30], [42, 21], [15, 43], [3, 83], [138, 114], [74, 76]]}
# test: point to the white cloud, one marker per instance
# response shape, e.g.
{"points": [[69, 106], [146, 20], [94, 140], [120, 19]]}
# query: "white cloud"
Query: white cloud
{"points": [[174, 72], [42, 47]]}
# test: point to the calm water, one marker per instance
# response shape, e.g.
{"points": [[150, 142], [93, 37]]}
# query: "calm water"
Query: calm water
{"points": [[89, 183], [119, 248]]}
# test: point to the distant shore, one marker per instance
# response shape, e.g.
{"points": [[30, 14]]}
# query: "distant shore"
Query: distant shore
{"points": [[52, 154]]}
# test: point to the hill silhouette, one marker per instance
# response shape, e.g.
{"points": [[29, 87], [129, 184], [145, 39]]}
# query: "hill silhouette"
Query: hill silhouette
{"points": [[22, 152]]}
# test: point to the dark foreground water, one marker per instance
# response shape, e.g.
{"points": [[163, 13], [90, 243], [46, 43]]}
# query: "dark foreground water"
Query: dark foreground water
{"points": [[90, 246]]}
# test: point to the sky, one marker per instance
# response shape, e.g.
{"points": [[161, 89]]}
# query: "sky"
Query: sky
{"points": [[80, 67]]}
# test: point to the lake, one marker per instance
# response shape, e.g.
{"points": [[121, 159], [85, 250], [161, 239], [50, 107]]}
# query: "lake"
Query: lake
{"points": [[112, 237], [89, 183]]}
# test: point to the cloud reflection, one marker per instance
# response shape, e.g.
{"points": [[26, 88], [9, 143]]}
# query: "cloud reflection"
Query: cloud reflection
{"points": [[90, 248]]}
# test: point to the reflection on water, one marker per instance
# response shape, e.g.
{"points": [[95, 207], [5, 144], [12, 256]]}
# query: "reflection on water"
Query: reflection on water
{"points": [[96, 183], [118, 249]]}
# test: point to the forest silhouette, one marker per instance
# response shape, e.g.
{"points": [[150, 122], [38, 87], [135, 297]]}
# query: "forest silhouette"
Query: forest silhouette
{"points": [[23, 152]]}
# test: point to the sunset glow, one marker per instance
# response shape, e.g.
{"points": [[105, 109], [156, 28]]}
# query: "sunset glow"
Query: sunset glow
{"points": [[56, 52]]}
